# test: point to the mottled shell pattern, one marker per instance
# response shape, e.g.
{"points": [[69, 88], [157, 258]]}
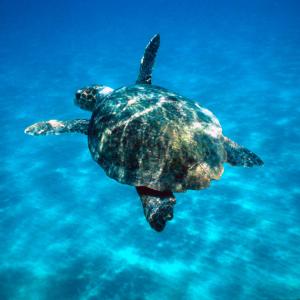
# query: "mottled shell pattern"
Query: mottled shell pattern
{"points": [[145, 135]]}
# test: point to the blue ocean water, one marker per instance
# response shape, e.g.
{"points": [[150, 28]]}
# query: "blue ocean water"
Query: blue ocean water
{"points": [[69, 232]]}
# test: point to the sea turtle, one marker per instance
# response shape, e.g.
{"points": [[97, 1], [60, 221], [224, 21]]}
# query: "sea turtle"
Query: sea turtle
{"points": [[152, 138]]}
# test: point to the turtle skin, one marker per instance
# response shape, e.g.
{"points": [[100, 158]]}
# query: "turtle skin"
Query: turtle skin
{"points": [[145, 135]]}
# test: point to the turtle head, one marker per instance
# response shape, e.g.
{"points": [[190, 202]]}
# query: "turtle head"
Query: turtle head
{"points": [[87, 97]]}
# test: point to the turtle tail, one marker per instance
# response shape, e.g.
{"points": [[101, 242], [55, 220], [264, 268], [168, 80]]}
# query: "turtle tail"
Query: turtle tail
{"points": [[58, 127], [237, 155]]}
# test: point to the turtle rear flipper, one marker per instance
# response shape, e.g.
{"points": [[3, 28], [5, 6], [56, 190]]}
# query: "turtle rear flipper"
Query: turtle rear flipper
{"points": [[158, 206], [237, 155], [58, 127]]}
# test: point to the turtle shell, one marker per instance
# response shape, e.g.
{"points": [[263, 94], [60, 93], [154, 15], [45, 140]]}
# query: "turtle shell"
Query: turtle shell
{"points": [[145, 135]]}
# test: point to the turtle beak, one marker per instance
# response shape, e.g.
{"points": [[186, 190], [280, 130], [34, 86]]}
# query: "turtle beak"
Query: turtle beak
{"points": [[78, 94]]}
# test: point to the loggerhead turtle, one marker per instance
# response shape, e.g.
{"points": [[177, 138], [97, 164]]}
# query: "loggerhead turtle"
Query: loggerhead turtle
{"points": [[152, 138]]}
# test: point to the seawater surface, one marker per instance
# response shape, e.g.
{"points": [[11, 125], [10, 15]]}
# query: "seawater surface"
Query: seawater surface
{"points": [[69, 232]]}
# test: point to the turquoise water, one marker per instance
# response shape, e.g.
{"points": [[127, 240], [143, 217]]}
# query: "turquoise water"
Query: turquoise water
{"points": [[69, 232]]}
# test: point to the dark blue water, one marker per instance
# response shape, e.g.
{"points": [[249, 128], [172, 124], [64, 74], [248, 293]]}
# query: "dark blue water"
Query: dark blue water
{"points": [[69, 232]]}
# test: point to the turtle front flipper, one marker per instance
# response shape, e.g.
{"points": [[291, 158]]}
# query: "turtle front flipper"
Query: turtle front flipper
{"points": [[158, 206], [147, 62], [238, 155], [58, 127]]}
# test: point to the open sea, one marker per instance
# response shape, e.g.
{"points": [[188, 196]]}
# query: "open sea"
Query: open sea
{"points": [[67, 231]]}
